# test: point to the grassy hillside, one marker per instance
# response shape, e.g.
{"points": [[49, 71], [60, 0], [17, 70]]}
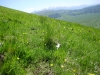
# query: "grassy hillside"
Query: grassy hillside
{"points": [[88, 16], [84, 19], [36, 45]]}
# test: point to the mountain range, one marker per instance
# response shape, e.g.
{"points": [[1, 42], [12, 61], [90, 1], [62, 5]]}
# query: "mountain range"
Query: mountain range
{"points": [[89, 16]]}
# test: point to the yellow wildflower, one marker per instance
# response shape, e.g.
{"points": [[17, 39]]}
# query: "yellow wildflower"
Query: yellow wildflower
{"points": [[18, 58], [65, 60], [62, 66], [51, 65], [90, 74], [24, 33], [74, 70]]}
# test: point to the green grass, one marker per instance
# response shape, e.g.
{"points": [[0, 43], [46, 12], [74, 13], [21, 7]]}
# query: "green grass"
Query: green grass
{"points": [[28, 46], [84, 19]]}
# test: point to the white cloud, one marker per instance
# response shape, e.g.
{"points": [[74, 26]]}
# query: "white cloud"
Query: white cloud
{"points": [[32, 9], [29, 10]]}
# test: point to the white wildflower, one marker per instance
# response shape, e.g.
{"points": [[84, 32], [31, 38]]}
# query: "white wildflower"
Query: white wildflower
{"points": [[58, 45]]}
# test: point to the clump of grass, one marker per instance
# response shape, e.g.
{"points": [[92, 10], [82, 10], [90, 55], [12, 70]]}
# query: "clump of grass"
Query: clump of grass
{"points": [[49, 43]]}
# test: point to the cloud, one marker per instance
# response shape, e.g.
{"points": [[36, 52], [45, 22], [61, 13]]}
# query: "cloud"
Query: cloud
{"points": [[29, 10]]}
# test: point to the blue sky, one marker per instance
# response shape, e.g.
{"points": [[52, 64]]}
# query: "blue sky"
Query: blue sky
{"points": [[33, 5]]}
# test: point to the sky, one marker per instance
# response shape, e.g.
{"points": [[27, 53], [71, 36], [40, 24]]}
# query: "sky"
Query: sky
{"points": [[35, 5]]}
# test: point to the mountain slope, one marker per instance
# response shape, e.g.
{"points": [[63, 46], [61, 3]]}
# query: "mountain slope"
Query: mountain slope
{"points": [[91, 9], [88, 16], [36, 45]]}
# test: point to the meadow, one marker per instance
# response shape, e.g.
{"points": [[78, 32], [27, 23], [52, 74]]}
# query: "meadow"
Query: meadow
{"points": [[36, 45], [84, 19]]}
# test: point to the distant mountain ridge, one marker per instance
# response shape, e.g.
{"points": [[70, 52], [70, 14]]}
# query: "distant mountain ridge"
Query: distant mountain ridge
{"points": [[73, 10], [91, 9], [81, 16], [63, 8], [67, 8]]}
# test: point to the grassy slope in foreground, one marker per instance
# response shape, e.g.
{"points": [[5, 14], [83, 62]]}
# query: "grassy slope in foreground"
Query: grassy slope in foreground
{"points": [[28, 46]]}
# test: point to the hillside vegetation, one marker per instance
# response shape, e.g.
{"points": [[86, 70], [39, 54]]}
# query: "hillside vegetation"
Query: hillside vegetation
{"points": [[88, 16], [36, 45]]}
